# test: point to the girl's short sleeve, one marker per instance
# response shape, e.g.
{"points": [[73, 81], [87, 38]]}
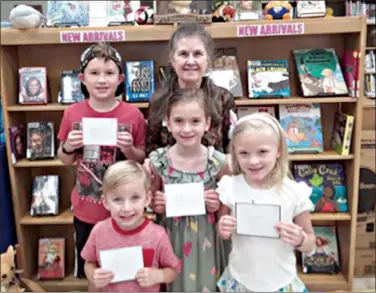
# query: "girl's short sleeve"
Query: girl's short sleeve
{"points": [[225, 191], [303, 202]]}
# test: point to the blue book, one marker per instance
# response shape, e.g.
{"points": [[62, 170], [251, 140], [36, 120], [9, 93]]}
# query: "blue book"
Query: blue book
{"points": [[268, 79], [139, 80], [64, 12]]}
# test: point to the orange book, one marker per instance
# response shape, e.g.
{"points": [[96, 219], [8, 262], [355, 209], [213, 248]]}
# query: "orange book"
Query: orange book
{"points": [[51, 258]]}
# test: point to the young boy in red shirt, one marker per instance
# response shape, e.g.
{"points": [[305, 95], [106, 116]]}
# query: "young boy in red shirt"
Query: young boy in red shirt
{"points": [[101, 81]]}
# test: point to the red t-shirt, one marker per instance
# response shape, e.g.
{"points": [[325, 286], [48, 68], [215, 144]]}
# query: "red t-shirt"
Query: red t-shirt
{"points": [[93, 161], [155, 243]]}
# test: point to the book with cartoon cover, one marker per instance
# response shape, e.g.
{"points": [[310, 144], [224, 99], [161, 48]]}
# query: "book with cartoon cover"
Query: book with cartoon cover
{"points": [[328, 185], [319, 72], [342, 133], [51, 258], [302, 124], [74, 13], [139, 80], [268, 79], [324, 258]]}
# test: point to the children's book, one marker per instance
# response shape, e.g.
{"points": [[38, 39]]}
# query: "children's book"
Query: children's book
{"points": [[17, 142], [310, 8], [70, 87], [67, 13], [248, 10], [342, 133], [328, 185], [268, 79], [349, 65], [324, 258], [33, 85], [319, 72], [51, 258], [225, 72], [45, 195], [40, 140], [139, 80], [302, 124], [243, 111]]}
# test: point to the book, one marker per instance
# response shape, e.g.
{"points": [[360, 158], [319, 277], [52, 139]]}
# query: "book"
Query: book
{"points": [[32, 85], [139, 81], [67, 13], [310, 8], [302, 124], [268, 79], [248, 10], [45, 195], [51, 258], [225, 72], [243, 111], [70, 87], [17, 142], [40, 140], [328, 184], [349, 64], [342, 133], [319, 72], [324, 258]]}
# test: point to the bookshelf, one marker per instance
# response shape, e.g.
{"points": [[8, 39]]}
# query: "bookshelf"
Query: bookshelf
{"points": [[42, 47]]}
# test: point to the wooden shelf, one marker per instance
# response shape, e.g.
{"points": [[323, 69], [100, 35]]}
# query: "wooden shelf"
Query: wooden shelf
{"points": [[370, 48], [145, 33], [64, 218], [329, 155], [69, 283], [54, 107], [25, 163], [323, 282], [369, 103], [330, 216], [293, 100]]}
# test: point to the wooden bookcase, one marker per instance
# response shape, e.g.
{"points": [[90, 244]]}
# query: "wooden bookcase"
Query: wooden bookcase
{"points": [[42, 47]]}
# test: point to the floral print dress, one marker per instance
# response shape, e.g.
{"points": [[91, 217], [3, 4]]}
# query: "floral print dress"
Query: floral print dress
{"points": [[193, 238]]}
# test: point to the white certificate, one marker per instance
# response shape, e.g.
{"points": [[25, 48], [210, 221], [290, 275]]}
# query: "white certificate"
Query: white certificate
{"points": [[186, 199], [257, 219], [123, 262], [99, 131]]}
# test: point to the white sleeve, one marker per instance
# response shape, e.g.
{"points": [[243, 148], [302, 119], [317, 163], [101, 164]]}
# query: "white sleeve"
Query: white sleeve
{"points": [[303, 202], [224, 190]]}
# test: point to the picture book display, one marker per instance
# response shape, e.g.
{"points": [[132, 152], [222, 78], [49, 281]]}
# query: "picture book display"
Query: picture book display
{"points": [[319, 72], [268, 79], [139, 80], [248, 10], [17, 142], [225, 72], [342, 133], [73, 13], [310, 8], [45, 195], [40, 140], [32, 85], [51, 258], [324, 258], [302, 124], [70, 84], [328, 185]]}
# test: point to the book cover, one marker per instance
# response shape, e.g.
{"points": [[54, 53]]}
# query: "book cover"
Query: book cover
{"points": [[45, 195], [32, 85], [115, 10], [243, 111], [51, 258], [248, 10], [319, 72], [328, 185], [139, 80], [342, 133], [60, 13], [349, 63], [310, 9], [70, 87], [324, 258], [225, 72], [40, 140], [302, 124], [17, 142], [268, 79]]}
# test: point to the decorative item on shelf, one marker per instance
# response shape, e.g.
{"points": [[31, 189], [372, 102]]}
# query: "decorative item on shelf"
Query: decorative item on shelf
{"points": [[170, 12], [9, 280], [25, 17], [144, 15], [224, 12], [278, 10], [329, 12]]}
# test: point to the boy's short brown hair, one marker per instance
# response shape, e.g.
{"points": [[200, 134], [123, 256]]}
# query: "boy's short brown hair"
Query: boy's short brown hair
{"points": [[101, 50], [124, 172]]}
